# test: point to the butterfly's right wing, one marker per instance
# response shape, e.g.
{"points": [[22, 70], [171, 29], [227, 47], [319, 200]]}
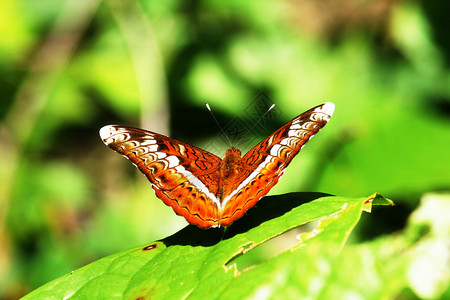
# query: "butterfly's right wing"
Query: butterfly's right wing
{"points": [[265, 163], [183, 176]]}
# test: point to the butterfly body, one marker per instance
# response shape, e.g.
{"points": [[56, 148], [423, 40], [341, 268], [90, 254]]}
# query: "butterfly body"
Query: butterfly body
{"points": [[198, 185]]}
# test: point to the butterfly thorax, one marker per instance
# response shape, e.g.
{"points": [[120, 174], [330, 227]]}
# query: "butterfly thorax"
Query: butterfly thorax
{"points": [[229, 170]]}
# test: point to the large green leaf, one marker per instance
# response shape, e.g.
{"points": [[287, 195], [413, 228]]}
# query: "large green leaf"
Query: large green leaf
{"points": [[193, 262]]}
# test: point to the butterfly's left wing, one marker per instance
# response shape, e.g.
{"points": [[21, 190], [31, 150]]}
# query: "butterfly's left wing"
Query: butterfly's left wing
{"points": [[183, 176], [265, 163]]}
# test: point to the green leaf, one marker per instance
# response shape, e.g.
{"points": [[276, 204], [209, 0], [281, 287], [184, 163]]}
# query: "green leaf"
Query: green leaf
{"points": [[195, 262], [411, 264]]}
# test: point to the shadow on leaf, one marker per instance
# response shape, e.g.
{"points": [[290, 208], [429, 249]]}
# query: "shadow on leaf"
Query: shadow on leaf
{"points": [[267, 208]]}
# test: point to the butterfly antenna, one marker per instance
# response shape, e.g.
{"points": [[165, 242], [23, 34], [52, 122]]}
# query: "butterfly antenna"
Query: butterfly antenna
{"points": [[256, 123], [217, 122]]}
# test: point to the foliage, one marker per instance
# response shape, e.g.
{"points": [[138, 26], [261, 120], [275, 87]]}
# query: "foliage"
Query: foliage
{"points": [[69, 67]]}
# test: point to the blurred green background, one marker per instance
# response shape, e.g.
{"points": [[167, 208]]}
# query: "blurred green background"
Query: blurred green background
{"points": [[70, 67]]}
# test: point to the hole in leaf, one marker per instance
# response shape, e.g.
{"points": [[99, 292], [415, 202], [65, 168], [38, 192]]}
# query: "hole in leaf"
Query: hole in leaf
{"points": [[149, 247], [254, 255]]}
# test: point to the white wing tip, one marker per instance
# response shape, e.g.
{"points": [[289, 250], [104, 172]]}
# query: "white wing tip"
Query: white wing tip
{"points": [[328, 108], [106, 131]]}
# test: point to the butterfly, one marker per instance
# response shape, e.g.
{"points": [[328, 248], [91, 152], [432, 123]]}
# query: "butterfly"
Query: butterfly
{"points": [[206, 190]]}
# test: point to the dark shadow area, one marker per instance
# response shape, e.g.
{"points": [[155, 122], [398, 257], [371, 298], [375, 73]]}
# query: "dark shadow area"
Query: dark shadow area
{"points": [[267, 208], [384, 220], [436, 12]]}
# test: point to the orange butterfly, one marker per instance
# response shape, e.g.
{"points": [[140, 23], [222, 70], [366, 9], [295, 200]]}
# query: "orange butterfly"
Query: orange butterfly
{"points": [[201, 187]]}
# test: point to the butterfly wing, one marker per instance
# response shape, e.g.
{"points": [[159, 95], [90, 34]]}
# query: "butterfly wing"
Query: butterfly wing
{"points": [[183, 176], [263, 165]]}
